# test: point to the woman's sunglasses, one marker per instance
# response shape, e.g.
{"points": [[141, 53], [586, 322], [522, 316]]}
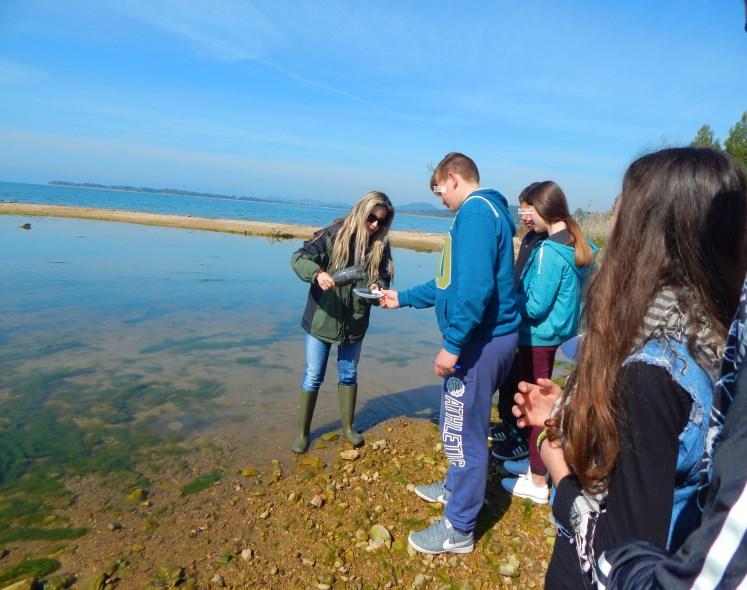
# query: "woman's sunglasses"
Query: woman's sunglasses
{"points": [[381, 220]]}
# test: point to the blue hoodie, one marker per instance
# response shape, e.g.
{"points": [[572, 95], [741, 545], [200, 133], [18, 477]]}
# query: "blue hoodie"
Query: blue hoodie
{"points": [[550, 294], [474, 286]]}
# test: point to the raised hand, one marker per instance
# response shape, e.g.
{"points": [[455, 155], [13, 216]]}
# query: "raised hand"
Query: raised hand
{"points": [[534, 402]]}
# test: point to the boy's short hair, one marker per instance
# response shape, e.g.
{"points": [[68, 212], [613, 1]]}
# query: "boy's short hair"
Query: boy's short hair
{"points": [[459, 164]]}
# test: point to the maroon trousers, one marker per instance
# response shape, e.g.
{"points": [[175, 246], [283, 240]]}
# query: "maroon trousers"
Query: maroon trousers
{"points": [[531, 363]]}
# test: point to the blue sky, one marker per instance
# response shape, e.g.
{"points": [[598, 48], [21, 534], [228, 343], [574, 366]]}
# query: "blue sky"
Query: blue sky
{"points": [[329, 99]]}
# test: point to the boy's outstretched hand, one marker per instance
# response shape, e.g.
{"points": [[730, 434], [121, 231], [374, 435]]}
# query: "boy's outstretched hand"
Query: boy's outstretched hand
{"points": [[390, 300], [445, 363], [534, 402]]}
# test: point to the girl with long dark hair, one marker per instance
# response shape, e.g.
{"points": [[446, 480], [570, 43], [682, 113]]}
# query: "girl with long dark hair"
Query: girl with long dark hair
{"points": [[627, 443]]}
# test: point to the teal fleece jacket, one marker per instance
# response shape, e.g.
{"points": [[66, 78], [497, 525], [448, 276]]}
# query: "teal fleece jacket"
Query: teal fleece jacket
{"points": [[549, 294], [474, 286]]}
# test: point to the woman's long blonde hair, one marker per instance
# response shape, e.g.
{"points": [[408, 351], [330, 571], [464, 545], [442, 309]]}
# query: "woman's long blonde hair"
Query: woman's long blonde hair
{"points": [[368, 252]]}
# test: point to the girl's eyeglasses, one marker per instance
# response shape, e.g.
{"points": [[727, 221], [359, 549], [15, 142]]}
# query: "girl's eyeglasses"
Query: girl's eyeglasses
{"points": [[372, 218], [526, 210]]}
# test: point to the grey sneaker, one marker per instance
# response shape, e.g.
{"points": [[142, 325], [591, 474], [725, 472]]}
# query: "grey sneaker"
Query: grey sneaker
{"points": [[433, 492], [441, 537]]}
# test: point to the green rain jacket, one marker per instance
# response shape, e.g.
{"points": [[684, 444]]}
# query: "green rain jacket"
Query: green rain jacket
{"points": [[336, 315]]}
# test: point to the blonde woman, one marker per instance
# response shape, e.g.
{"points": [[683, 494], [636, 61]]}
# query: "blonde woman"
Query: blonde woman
{"points": [[334, 314]]}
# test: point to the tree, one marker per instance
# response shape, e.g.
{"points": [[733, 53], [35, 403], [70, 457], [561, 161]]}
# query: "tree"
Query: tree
{"points": [[736, 143], [706, 138]]}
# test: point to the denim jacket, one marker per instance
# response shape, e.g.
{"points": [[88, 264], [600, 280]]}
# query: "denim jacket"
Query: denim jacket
{"points": [[674, 357]]}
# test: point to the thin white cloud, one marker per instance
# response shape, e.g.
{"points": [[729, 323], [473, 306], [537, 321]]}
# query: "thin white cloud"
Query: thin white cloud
{"points": [[230, 30], [13, 73]]}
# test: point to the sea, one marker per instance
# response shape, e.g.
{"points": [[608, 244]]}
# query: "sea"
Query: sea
{"points": [[201, 206]]}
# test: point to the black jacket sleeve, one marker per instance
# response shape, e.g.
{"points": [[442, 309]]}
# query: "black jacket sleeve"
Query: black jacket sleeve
{"points": [[715, 554]]}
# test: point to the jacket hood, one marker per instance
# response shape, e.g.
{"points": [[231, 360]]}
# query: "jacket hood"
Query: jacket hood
{"points": [[569, 254], [500, 202]]}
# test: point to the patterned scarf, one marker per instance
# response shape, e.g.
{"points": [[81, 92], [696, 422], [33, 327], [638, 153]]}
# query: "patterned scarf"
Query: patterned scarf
{"points": [[666, 318]]}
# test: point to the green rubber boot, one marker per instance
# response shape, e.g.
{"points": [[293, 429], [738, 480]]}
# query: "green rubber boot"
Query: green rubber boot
{"points": [[306, 404], [347, 395]]}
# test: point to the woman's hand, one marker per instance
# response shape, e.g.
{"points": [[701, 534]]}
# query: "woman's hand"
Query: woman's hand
{"points": [[390, 300], [325, 281], [534, 402]]}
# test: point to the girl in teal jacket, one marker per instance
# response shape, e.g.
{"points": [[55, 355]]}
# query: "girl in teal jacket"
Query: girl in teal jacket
{"points": [[549, 300]]}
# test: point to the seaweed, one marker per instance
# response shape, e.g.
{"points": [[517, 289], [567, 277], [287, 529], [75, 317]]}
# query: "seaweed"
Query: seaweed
{"points": [[201, 482], [37, 568], [8, 535]]}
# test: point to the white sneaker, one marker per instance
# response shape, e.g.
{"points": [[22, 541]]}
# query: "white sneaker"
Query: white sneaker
{"points": [[524, 487], [520, 467]]}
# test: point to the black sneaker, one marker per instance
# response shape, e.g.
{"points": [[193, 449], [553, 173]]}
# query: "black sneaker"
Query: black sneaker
{"points": [[501, 432], [510, 449]]}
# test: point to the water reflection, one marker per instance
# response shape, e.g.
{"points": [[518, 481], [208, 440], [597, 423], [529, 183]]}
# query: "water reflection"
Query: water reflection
{"points": [[138, 334]]}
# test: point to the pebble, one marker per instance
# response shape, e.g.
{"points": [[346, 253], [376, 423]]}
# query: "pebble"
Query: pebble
{"points": [[115, 526], [419, 582], [380, 535], [378, 445], [247, 554], [549, 531], [330, 436], [317, 501], [307, 560], [350, 454], [249, 472], [218, 581], [361, 535], [509, 570]]}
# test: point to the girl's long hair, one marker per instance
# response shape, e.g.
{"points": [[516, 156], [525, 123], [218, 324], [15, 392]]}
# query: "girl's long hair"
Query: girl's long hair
{"points": [[681, 223], [353, 235], [548, 199]]}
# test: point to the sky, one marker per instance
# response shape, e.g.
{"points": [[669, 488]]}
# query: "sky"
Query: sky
{"points": [[330, 99]]}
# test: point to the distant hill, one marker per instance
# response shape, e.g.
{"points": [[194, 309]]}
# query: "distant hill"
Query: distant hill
{"points": [[420, 206], [425, 208], [179, 192]]}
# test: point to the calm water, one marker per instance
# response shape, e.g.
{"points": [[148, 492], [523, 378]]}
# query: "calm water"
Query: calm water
{"points": [[129, 329], [199, 206]]}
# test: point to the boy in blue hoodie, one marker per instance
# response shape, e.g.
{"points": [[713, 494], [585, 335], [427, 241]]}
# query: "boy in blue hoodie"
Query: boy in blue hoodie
{"points": [[477, 314]]}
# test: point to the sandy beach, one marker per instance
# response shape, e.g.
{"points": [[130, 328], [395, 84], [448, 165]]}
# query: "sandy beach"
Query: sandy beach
{"points": [[423, 242]]}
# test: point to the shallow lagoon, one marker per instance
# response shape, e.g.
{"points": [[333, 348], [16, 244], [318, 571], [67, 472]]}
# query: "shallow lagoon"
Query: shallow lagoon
{"points": [[132, 331]]}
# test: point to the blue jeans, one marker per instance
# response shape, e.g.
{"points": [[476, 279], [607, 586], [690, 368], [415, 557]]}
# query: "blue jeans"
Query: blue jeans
{"points": [[317, 354]]}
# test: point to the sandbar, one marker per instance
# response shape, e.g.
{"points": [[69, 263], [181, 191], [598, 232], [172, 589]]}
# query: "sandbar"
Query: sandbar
{"points": [[422, 242]]}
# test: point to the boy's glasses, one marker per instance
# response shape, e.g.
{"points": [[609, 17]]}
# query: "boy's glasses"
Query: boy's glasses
{"points": [[380, 220], [526, 210], [439, 190]]}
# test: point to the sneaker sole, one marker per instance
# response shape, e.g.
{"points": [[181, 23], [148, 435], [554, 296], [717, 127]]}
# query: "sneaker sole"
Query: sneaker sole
{"points": [[465, 549], [439, 500]]}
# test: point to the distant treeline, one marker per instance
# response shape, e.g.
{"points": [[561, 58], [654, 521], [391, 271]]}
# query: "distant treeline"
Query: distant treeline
{"points": [[735, 143]]}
